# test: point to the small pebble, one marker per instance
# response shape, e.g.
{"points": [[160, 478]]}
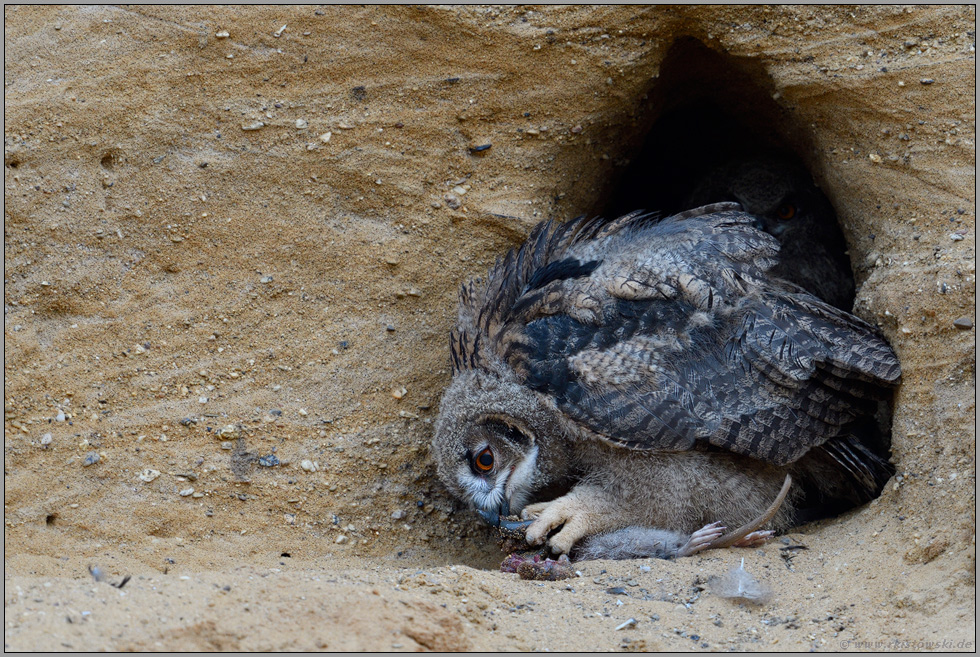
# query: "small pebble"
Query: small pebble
{"points": [[149, 475], [629, 623], [91, 459], [269, 461], [229, 430], [255, 125], [452, 202], [325, 137], [223, 34], [481, 148], [308, 465], [963, 323], [186, 492], [397, 514], [46, 440], [616, 590], [265, 279], [227, 445], [301, 124], [956, 237], [278, 33], [398, 393], [60, 417], [926, 81], [341, 539]]}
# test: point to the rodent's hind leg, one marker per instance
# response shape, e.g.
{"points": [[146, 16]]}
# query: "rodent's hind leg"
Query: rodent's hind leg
{"points": [[701, 539], [754, 539]]}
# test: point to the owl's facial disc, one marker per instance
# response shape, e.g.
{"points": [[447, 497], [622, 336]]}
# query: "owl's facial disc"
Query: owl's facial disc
{"points": [[498, 467]]}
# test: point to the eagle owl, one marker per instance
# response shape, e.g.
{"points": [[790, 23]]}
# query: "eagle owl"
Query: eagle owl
{"points": [[611, 376], [781, 196]]}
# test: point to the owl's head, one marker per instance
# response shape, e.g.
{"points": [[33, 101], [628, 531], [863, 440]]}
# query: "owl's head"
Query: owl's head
{"points": [[776, 191], [790, 207], [488, 439]]}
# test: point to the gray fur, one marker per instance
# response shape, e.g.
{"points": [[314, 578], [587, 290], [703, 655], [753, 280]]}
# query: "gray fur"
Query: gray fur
{"points": [[630, 543]]}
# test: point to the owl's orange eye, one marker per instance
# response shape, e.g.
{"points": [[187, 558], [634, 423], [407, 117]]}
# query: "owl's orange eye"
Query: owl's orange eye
{"points": [[786, 211], [484, 460]]}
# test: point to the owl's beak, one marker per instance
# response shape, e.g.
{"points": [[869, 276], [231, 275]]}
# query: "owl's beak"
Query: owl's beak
{"points": [[497, 518], [493, 516]]}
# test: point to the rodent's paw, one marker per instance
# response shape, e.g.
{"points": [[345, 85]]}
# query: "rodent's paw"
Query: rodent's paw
{"points": [[755, 539], [701, 539]]}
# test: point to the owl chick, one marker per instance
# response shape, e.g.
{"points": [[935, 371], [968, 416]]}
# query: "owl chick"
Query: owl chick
{"points": [[656, 374], [786, 204]]}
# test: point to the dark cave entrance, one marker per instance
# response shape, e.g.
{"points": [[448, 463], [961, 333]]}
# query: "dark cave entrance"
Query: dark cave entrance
{"points": [[704, 108], [717, 133]]}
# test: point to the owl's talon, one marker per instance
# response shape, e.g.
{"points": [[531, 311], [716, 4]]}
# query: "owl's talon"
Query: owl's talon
{"points": [[566, 520], [514, 525], [532, 511]]}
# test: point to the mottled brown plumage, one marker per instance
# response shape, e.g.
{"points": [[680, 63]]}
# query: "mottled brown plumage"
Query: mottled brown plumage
{"points": [[635, 372]]}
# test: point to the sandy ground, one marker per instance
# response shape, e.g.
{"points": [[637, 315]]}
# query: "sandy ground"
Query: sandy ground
{"points": [[232, 243]]}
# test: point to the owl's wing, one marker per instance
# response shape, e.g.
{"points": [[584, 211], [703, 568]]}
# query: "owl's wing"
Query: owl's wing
{"points": [[661, 336]]}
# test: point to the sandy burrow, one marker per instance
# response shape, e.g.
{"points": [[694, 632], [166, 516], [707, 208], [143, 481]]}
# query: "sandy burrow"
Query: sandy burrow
{"points": [[195, 292]]}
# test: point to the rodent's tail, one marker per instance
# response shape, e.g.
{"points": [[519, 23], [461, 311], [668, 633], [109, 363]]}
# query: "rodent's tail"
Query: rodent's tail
{"points": [[731, 538]]}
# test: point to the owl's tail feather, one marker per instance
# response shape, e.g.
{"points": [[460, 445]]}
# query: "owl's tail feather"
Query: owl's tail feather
{"points": [[869, 471], [841, 474]]}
